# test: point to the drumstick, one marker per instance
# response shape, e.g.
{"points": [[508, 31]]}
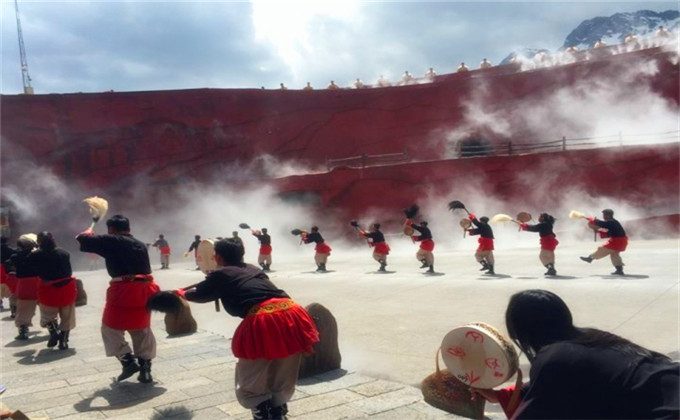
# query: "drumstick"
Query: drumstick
{"points": [[217, 302]]}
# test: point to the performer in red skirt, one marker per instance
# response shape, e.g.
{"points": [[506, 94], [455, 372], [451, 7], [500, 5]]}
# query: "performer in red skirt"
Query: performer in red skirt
{"points": [[323, 250], [26, 290], [424, 253], [380, 248], [164, 248], [7, 290], [270, 340], [131, 285], [549, 242], [617, 243], [57, 290], [484, 253], [265, 256]]}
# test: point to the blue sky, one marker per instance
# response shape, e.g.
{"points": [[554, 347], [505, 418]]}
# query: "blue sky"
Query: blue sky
{"points": [[95, 46]]}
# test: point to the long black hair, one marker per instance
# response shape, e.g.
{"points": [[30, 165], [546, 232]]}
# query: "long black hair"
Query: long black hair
{"points": [[537, 318], [46, 241]]}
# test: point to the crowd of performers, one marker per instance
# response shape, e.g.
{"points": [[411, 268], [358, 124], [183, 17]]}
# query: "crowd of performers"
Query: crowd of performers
{"points": [[274, 332]]}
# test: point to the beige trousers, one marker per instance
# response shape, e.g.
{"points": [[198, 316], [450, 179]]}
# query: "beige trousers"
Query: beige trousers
{"points": [[485, 255], [259, 380], [321, 258], [546, 257], [4, 291], [25, 312], [428, 256], [266, 259], [66, 314], [602, 252], [143, 342], [165, 260], [378, 257]]}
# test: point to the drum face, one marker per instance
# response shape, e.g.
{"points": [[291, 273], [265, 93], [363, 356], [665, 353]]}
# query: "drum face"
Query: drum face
{"points": [[205, 256], [523, 216], [476, 356], [465, 223], [408, 230]]}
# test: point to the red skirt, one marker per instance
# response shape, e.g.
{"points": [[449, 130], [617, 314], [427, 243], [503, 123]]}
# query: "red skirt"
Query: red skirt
{"points": [[126, 304], [549, 243], [427, 244], [381, 248], [11, 282], [58, 297], [617, 244], [274, 329], [3, 274], [265, 249], [322, 248], [27, 288], [485, 244], [165, 250]]}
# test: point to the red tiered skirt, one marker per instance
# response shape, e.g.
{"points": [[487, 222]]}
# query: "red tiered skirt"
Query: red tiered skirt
{"points": [[49, 294], [322, 248], [485, 244], [549, 243], [274, 329], [11, 281], [381, 248], [617, 244], [126, 303], [27, 288], [265, 249], [427, 244]]}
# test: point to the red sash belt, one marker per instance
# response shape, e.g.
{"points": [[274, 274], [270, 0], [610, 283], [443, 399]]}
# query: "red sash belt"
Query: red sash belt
{"points": [[617, 244], [265, 249], [549, 243], [427, 244], [485, 244], [274, 329], [322, 248], [381, 248], [58, 293], [126, 300], [27, 288]]}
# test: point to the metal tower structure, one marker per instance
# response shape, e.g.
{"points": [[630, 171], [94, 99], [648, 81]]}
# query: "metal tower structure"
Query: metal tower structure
{"points": [[28, 90]]}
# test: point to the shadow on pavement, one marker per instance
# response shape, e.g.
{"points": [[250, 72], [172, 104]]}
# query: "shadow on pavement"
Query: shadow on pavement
{"points": [[29, 357], [381, 272], [494, 277], [627, 276], [180, 412], [435, 274], [33, 337], [558, 277], [324, 377], [119, 396]]}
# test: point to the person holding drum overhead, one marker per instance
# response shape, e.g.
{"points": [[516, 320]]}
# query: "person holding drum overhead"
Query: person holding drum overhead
{"points": [[322, 249], [270, 340], [579, 373], [618, 241], [484, 253], [549, 242], [131, 285]]}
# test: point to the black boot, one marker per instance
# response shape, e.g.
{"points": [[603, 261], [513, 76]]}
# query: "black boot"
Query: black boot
{"points": [[431, 270], [323, 267], [551, 270], [485, 266], [383, 264], [261, 412], [278, 413], [63, 340], [144, 371], [619, 270], [54, 334], [130, 366], [491, 270], [23, 333], [587, 259], [425, 265], [318, 267], [12, 311], [266, 267]]}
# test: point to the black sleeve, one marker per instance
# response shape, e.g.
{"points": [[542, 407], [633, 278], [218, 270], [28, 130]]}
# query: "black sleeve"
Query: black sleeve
{"points": [[473, 232], [205, 291], [533, 228], [92, 243], [475, 222], [417, 228]]}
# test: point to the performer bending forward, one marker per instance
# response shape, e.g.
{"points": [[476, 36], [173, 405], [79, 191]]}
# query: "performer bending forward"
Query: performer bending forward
{"points": [[131, 285], [57, 290], [484, 253], [549, 242], [424, 253], [380, 247], [264, 258], [617, 243], [270, 340], [27, 283], [322, 249]]}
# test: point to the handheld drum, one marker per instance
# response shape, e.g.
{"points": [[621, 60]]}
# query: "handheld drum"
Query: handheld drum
{"points": [[465, 224], [479, 355], [523, 216], [205, 256]]}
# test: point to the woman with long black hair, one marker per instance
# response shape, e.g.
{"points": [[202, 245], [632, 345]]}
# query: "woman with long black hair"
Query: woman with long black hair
{"points": [[584, 373]]}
